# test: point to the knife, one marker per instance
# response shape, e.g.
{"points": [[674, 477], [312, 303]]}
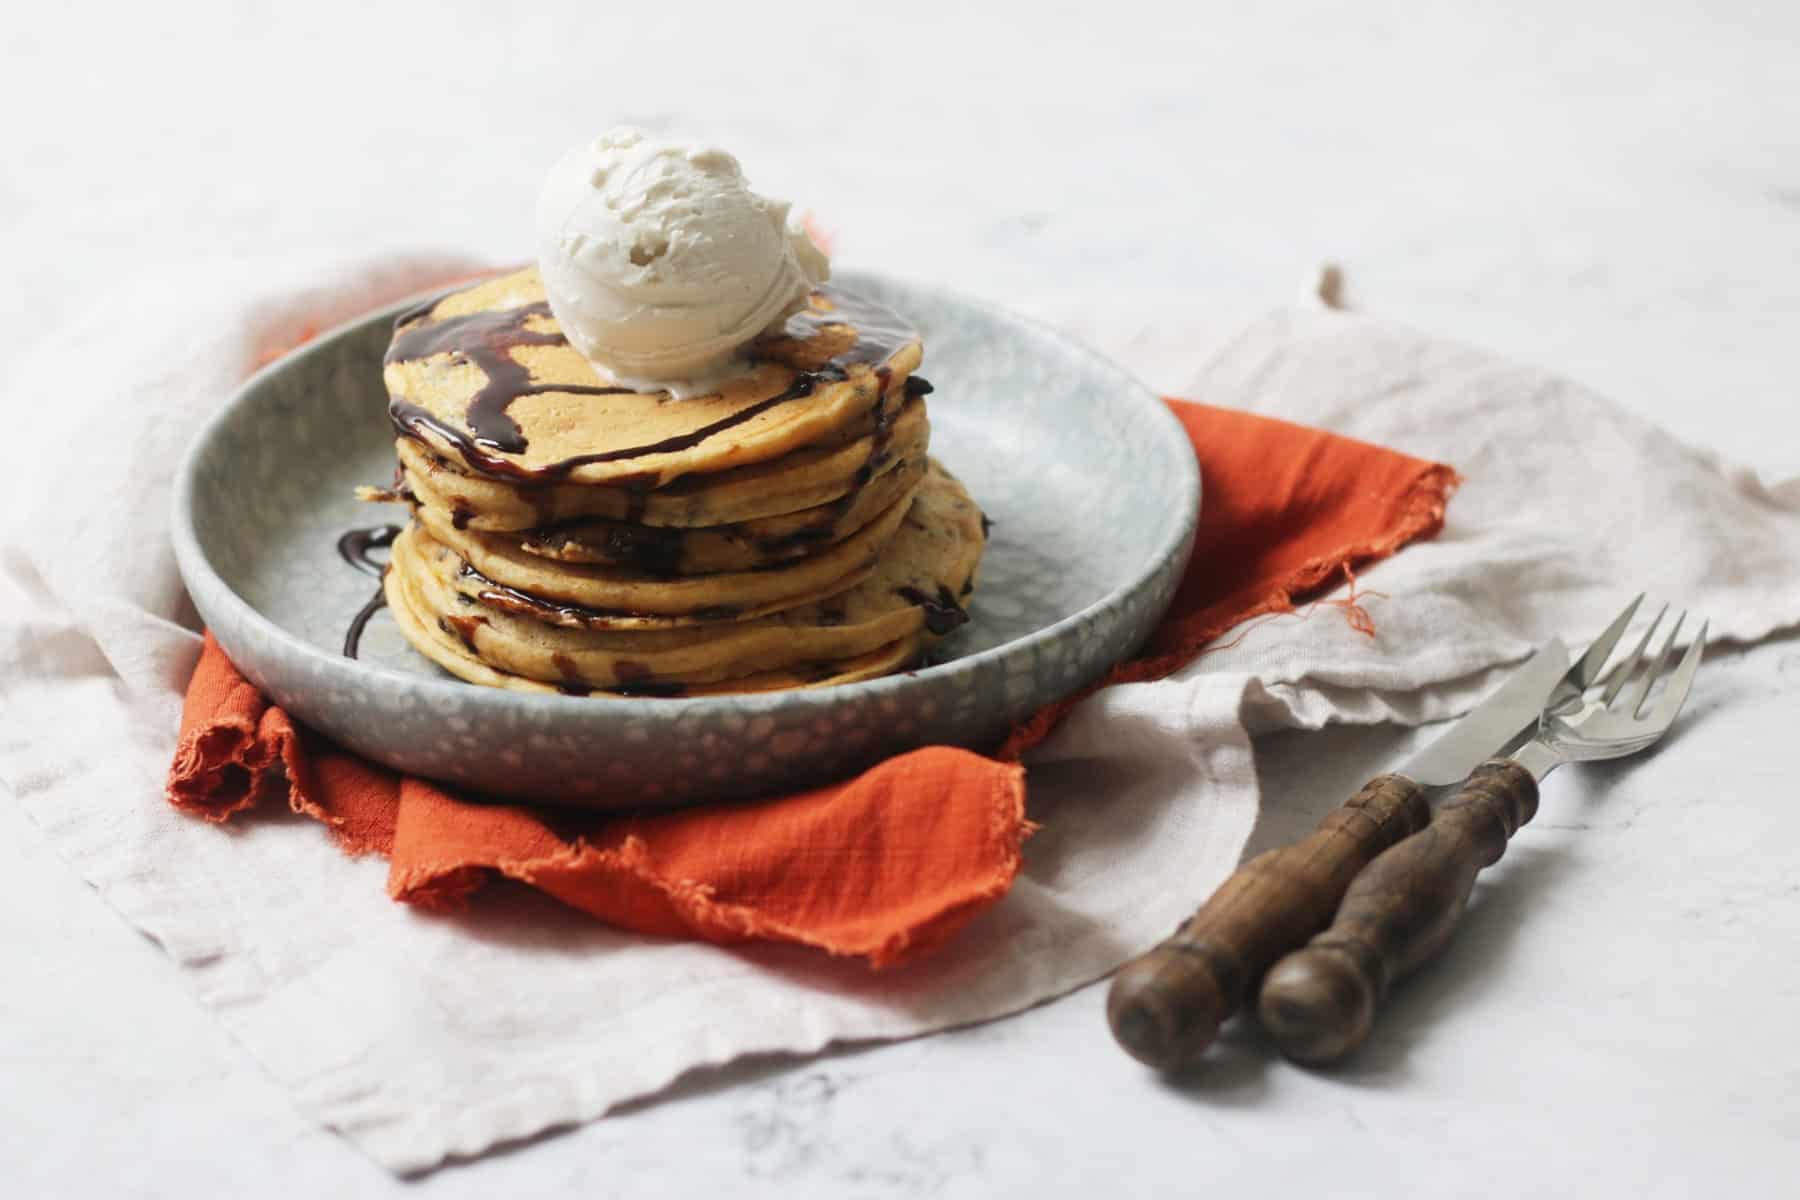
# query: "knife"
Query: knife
{"points": [[1318, 1003], [1165, 1006]]}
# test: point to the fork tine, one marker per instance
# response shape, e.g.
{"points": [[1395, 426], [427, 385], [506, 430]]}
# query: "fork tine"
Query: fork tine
{"points": [[1587, 669], [1654, 670], [1621, 672], [1669, 703]]}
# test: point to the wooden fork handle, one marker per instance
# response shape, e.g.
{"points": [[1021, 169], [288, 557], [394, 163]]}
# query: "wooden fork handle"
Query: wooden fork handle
{"points": [[1319, 1002], [1166, 1006]]}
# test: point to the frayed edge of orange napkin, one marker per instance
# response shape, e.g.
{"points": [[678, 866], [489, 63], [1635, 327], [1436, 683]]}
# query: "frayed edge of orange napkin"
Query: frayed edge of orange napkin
{"points": [[963, 815], [234, 748], [902, 857]]}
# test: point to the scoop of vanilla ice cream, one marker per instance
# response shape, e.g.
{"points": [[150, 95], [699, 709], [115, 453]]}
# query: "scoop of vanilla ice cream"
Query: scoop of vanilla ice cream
{"points": [[660, 262]]}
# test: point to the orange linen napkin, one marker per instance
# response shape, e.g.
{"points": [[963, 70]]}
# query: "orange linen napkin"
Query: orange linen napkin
{"points": [[884, 866]]}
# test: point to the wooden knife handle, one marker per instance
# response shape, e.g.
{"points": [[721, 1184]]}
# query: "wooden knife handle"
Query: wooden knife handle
{"points": [[1166, 1006], [1319, 1002]]}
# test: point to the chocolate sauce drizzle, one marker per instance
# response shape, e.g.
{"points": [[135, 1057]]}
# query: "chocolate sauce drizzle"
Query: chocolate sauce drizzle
{"points": [[353, 636], [462, 628], [410, 419], [558, 612], [717, 612], [942, 612], [354, 549], [656, 550], [652, 549], [486, 339], [663, 689], [635, 679], [571, 684], [421, 309], [878, 440], [637, 499]]}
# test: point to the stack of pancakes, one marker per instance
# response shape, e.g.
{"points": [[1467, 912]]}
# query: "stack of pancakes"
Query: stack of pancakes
{"points": [[789, 531]]}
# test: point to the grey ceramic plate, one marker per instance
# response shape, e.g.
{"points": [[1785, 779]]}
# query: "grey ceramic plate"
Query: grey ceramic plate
{"points": [[1090, 481]]}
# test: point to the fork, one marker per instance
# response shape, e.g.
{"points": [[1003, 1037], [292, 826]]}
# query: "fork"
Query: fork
{"points": [[1319, 1002]]}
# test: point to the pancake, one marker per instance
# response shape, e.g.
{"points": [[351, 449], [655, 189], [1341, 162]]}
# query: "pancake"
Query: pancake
{"points": [[807, 478], [925, 573], [620, 598], [571, 535], [485, 378], [450, 653], [748, 546]]}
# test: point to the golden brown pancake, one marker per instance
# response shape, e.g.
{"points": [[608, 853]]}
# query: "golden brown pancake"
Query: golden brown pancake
{"points": [[807, 478], [449, 652], [485, 377], [621, 598], [569, 534], [748, 546], [925, 574]]}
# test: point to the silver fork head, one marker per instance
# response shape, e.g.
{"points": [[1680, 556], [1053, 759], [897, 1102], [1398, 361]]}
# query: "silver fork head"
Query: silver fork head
{"points": [[1606, 727], [1616, 678], [1586, 673]]}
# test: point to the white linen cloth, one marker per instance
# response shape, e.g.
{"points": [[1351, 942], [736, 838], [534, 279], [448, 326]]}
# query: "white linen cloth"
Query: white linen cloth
{"points": [[420, 1037]]}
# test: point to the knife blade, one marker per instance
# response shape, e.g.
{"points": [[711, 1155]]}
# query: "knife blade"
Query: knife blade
{"points": [[1166, 1006], [1509, 713]]}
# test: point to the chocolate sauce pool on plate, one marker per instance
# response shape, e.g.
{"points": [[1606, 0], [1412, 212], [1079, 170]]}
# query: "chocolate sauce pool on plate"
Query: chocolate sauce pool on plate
{"points": [[353, 636], [354, 549]]}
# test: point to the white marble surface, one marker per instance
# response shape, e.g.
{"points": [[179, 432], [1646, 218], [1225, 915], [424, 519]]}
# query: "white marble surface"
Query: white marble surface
{"points": [[1611, 189]]}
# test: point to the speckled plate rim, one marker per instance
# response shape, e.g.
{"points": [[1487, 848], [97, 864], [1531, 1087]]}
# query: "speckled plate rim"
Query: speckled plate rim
{"points": [[199, 575]]}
